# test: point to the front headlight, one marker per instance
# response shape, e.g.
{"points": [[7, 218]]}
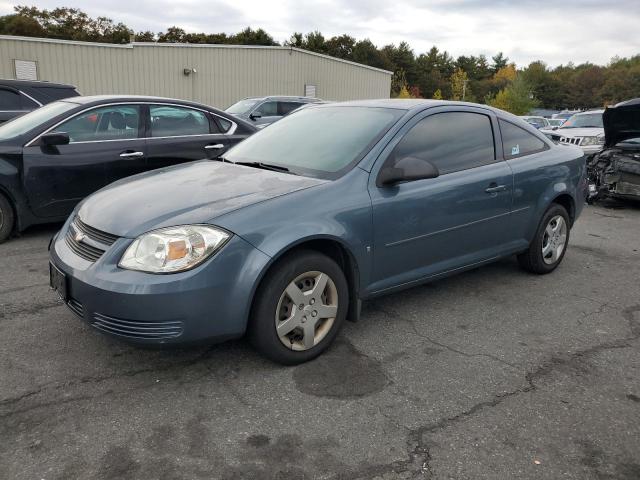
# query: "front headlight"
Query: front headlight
{"points": [[586, 141], [173, 249]]}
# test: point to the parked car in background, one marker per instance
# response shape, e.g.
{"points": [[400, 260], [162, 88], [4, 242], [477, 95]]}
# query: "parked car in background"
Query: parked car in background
{"points": [[616, 170], [584, 129], [555, 123], [18, 97], [565, 114], [537, 122], [330, 206], [58, 154], [262, 111]]}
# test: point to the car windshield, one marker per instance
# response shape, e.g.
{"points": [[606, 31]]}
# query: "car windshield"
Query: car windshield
{"points": [[241, 107], [21, 125], [584, 120], [535, 121], [320, 142], [555, 122]]}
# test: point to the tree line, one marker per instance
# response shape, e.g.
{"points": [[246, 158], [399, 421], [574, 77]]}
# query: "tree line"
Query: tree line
{"points": [[432, 74]]}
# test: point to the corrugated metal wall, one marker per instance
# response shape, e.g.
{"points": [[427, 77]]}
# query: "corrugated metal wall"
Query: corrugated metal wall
{"points": [[224, 74]]}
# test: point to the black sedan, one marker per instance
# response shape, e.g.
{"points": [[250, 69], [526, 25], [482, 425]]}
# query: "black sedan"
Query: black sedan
{"points": [[58, 154]]}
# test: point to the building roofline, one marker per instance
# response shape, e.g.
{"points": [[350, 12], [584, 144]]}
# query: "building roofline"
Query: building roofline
{"points": [[190, 45]]}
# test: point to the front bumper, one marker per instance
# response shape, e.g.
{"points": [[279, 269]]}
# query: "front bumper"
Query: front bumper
{"points": [[207, 304]]}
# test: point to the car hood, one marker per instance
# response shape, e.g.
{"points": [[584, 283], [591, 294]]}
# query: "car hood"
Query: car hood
{"points": [[578, 132], [192, 193], [621, 122]]}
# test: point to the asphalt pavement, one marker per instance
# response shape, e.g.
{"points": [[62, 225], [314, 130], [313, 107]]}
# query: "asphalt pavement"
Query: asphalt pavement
{"points": [[491, 374]]}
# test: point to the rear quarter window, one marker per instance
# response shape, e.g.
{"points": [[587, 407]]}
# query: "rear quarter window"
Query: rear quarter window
{"points": [[517, 142]]}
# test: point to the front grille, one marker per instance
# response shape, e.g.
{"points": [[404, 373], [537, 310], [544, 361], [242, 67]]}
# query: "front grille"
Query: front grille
{"points": [[76, 307], [93, 233], [79, 232], [571, 140], [82, 249], [135, 329]]}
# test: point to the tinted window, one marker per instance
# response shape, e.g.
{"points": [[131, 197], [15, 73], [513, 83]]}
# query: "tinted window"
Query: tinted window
{"points": [[115, 122], [9, 100], [23, 124], [517, 142], [285, 108], [268, 109], [452, 141], [320, 142], [170, 121]]}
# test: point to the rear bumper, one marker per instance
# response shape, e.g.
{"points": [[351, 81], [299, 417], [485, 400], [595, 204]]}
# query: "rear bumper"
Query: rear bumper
{"points": [[207, 304]]}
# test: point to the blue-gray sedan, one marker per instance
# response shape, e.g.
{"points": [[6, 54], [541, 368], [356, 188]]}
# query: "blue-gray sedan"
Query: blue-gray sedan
{"points": [[285, 236]]}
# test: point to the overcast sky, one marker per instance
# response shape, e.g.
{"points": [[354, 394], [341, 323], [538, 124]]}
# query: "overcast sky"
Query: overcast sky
{"points": [[557, 32]]}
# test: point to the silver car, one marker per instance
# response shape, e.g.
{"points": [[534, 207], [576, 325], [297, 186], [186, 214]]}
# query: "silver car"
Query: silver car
{"points": [[262, 111]]}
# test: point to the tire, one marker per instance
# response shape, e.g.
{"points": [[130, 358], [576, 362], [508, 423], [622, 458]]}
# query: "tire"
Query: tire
{"points": [[304, 332], [7, 218], [533, 260]]}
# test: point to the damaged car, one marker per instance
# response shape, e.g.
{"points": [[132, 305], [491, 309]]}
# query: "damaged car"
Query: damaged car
{"points": [[616, 170]]}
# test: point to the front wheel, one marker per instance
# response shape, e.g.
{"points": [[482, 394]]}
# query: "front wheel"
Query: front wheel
{"points": [[299, 308], [6, 218], [549, 245]]}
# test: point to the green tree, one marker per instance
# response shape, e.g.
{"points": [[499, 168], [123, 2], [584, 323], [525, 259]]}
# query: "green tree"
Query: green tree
{"points": [[544, 85], [516, 98], [341, 47], [146, 36], [315, 42], [249, 36], [365, 52], [499, 61]]}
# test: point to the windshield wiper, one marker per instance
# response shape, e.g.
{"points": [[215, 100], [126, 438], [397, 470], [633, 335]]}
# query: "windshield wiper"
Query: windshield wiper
{"points": [[265, 166]]}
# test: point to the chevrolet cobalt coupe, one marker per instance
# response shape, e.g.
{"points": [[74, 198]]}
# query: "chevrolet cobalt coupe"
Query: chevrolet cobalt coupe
{"points": [[292, 229]]}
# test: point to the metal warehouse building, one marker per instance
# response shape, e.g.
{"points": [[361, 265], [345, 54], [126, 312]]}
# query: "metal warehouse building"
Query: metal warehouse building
{"points": [[217, 75]]}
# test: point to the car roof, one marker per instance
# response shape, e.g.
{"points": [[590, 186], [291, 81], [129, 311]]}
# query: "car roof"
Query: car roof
{"points": [[599, 110], [32, 83], [91, 99], [284, 97], [414, 104]]}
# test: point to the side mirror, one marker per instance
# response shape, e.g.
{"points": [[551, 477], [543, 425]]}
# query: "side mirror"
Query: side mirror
{"points": [[256, 115], [406, 169], [55, 138]]}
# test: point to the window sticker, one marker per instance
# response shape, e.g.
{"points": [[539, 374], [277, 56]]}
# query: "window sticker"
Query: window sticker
{"points": [[515, 150]]}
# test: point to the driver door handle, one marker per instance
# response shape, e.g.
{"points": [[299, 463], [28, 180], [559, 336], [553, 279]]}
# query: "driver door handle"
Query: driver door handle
{"points": [[495, 188], [216, 146], [130, 154]]}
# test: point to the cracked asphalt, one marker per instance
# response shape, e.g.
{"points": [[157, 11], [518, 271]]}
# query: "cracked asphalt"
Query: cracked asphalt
{"points": [[494, 373]]}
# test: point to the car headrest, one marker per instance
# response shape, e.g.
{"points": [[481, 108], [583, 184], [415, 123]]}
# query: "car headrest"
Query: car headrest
{"points": [[131, 120], [116, 119]]}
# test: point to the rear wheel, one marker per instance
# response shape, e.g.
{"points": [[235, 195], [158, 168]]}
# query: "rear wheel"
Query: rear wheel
{"points": [[299, 308], [6, 218], [550, 243]]}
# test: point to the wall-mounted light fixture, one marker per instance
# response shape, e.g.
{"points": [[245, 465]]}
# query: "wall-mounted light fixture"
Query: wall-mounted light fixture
{"points": [[189, 71]]}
